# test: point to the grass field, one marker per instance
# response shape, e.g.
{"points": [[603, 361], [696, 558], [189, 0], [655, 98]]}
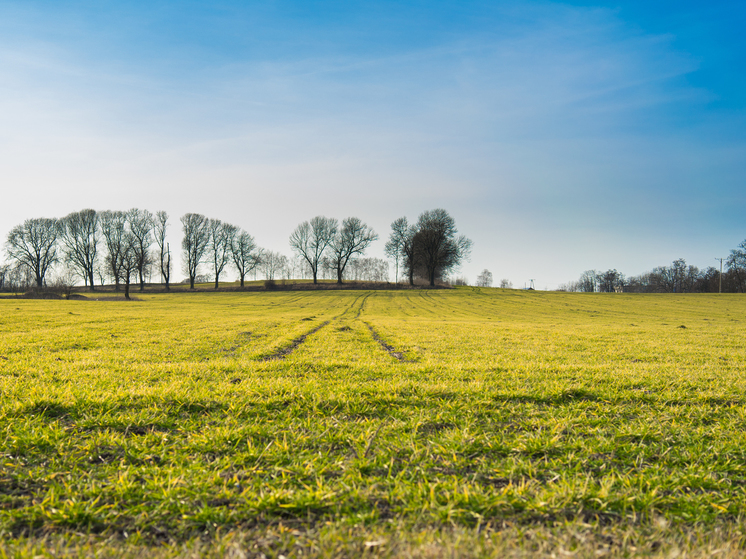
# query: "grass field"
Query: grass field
{"points": [[420, 423]]}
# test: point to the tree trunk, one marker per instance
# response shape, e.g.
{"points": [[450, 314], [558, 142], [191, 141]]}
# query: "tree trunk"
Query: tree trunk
{"points": [[339, 275], [242, 281], [191, 282], [90, 279], [217, 278], [167, 271]]}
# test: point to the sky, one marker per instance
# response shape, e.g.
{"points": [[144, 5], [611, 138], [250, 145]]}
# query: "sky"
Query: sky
{"points": [[561, 136]]}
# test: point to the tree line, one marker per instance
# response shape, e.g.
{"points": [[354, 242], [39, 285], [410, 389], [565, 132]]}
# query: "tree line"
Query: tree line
{"points": [[118, 246], [677, 277]]}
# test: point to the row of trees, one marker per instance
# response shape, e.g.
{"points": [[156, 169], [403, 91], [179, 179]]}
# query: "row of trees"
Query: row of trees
{"points": [[118, 246], [321, 241], [428, 249], [278, 266], [76, 240], [217, 243], [678, 277]]}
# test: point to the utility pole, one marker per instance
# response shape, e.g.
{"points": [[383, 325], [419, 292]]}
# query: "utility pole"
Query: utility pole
{"points": [[720, 285]]}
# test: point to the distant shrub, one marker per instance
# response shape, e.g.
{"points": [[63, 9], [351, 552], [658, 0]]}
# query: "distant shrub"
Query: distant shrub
{"points": [[270, 285]]}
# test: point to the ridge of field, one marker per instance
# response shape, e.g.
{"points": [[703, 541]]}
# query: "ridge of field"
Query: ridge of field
{"points": [[295, 416]]}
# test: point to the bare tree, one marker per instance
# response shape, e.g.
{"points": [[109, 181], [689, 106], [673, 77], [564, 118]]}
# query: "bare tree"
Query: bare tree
{"points": [[299, 267], [402, 239], [141, 229], [588, 281], [669, 279], [409, 253], [221, 242], [114, 228], [286, 271], [438, 248], [164, 249], [506, 283], [484, 279], [194, 244], [273, 264], [691, 279], [34, 245], [368, 269], [708, 281], [310, 240], [101, 273], [737, 266], [130, 259], [609, 281], [246, 255], [351, 240], [80, 235], [19, 277], [400, 232]]}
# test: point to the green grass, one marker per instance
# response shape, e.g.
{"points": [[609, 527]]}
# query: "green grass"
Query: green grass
{"points": [[492, 422]]}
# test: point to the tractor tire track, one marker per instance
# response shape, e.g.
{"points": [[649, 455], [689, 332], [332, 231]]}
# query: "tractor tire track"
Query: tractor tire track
{"points": [[398, 355], [283, 352], [287, 350], [362, 305]]}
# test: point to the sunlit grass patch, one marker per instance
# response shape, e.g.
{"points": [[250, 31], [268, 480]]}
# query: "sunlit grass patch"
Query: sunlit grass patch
{"points": [[190, 420]]}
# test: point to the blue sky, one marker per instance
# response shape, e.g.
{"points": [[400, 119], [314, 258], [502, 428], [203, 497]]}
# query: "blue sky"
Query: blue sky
{"points": [[561, 136]]}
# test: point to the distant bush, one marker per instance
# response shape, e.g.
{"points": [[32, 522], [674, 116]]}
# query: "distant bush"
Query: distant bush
{"points": [[270, 285]]}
